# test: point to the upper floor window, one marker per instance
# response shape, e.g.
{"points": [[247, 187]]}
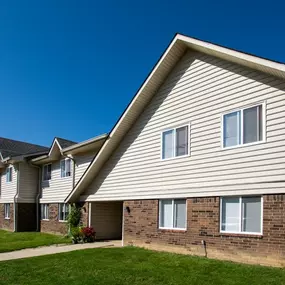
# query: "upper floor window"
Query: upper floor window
{"points": [[65, 167], [243, 126], [7, 211], [44, 211], [47, 172], [63, 211], [172, 214], [175, 142], [9, 171], [241, 215]]}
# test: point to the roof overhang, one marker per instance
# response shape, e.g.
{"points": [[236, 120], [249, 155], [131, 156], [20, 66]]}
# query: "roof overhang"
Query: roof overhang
{"points": [[20, 158], [86, 146], [165, 64], [56, 151], [53, 154]]}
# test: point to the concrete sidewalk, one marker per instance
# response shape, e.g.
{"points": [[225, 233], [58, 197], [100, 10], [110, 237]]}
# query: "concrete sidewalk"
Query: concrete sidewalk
{"points": [[46, 250]]}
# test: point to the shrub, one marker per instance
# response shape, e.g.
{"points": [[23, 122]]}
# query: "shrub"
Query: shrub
{"points": [[89, 234], [73, 222], [74, 216], [77, 235]]}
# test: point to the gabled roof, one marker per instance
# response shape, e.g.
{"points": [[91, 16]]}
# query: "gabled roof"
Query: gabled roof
{"points": [[65, 143], [55, 150], [163, 67], [12, 148], [66, 147]]}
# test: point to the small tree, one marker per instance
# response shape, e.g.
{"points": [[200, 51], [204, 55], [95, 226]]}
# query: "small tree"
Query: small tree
{"points": [[73, 222], [74, 216]]}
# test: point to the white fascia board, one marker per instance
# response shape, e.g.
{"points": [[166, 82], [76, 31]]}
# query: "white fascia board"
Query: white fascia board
{"points": [[84, 143]]}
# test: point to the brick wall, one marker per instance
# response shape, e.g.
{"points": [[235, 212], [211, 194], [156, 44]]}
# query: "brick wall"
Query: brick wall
{"points": [[7, 224], [53, 225], [141, 228]]}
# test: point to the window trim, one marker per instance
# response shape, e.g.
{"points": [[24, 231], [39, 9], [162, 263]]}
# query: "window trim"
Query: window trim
{"points": [[64, 205], [43, 174], [241, 109], [10, 174], [47, 205], [7, 217], [174, 140], [240, 211], [65, 159], [172, 228]]}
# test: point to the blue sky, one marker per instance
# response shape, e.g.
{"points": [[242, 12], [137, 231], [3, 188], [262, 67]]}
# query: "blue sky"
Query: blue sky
{"points": [[69, 68]]}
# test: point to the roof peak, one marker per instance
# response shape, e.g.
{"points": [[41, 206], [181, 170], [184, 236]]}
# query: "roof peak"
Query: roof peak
{"points": [[228, 47]]}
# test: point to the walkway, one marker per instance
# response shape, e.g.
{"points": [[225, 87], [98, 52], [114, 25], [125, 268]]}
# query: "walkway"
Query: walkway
{"points": [[45, 250]]}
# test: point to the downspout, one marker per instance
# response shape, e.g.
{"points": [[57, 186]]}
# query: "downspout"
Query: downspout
{"points": [[38, 194], [73, 179], [15, 198]]}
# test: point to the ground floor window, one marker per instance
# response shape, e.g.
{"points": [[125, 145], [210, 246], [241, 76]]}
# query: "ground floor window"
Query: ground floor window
{"points": [[172, 214], [7, 211], [63, 211], [241, 215], [44, 211]]}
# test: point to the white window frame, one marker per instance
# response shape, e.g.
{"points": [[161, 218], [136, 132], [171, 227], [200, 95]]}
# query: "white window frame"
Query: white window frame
{"points": [[241, 110], [46, 210], [174, 142], [64, 212], [61, 173], [172, 228], [46, 165], [240, 232], [10, 170], [7, 209]]}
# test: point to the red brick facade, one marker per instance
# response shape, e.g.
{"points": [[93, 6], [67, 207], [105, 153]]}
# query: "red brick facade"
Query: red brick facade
{"points": [[53, 225], [7, 224], [203, 214]]}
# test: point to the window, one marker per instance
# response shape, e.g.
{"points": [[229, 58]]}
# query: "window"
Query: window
{"points": [[65, 167], [175, 142], [172, 214], [9, 174], [44, 211], [7, 211], [243, 126], [47, 172], [63, 211], [241, 215]]}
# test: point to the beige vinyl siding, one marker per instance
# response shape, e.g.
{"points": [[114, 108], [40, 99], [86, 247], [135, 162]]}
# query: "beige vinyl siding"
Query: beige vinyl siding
{"points": [[9, 189], [82, 162], [28, 186], [198, 91], [56, 189], [106, 219]]}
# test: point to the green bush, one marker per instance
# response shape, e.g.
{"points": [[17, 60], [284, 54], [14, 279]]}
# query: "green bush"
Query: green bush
{"points": [[74, 216], [77, 235], [73, 222]]}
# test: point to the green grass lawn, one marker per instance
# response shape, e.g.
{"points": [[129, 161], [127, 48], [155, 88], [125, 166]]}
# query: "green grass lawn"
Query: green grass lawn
{"points": [[10, 241], [132, 266]]}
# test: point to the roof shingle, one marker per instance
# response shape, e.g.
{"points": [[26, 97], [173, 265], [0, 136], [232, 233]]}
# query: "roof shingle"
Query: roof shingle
{"points": [[65, 143], [9, 148]]}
